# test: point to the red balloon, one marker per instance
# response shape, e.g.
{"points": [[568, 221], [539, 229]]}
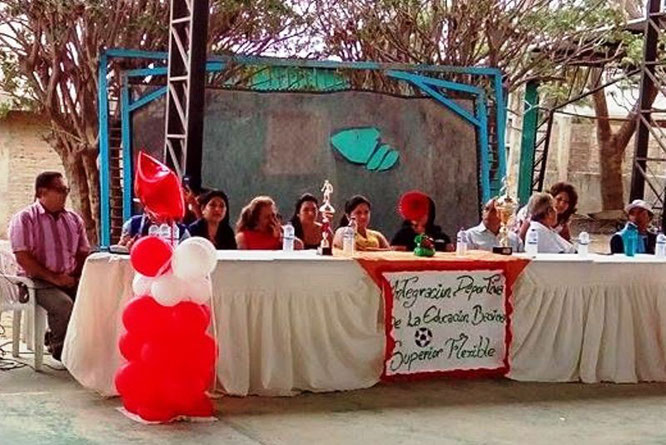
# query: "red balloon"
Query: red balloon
{"points": [[180, 393], [204, 354], [171, 360], [146, 318], [159, 355], [414, 205], [156, 412], [158, 189], [206, 309], [190, 319], [133, 381], [151, 256], [130, 346], [132, 405]]}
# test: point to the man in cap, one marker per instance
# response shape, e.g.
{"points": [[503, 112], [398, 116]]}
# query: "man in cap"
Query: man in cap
{"points": [[640, 215]]}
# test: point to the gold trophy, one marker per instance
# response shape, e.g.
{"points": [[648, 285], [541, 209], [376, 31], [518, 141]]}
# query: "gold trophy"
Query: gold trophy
{"points": [[506, 207], [327, 211]]}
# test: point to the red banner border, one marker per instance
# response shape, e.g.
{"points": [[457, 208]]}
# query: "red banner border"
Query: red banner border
{"points": [[456, 373]]}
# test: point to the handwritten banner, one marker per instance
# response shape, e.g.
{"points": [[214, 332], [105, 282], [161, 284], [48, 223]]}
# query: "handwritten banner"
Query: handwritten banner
{"points": [[447, 321]]}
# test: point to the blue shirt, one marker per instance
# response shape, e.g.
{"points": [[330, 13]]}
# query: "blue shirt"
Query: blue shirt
{"points": [[646, 241]]}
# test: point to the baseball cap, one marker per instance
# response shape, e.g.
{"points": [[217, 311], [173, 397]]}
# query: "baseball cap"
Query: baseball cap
{"points": [[639, 204]]}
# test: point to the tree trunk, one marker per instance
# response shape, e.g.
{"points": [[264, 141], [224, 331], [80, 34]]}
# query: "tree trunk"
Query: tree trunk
{"points": [[612, 147], [610, 156], [82, 176], [612, 186], [92, 176]]}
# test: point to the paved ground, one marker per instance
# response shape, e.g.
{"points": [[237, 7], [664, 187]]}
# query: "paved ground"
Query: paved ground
{"points": [[50, 407]]}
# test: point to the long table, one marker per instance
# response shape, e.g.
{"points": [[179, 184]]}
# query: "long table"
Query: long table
{"points": [[291, 321]]}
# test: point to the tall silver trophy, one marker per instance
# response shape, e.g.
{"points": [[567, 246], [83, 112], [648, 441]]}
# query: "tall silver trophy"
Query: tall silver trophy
{"points": [[327, 212], [506, 207]]}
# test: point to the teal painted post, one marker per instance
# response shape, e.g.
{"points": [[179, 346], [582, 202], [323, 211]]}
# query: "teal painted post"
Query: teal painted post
{"points": [[103, 116], [501, 129], [484, 151], [528, 142], [126, 133]]}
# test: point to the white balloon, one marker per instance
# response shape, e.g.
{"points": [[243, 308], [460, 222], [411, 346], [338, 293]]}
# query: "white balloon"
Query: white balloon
{"points": [[167, 290], [199, 291], [212, 251], [194, 258], [141, 285]]}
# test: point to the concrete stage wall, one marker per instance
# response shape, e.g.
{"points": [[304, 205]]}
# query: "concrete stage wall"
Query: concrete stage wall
{"points": [[278, 144]]}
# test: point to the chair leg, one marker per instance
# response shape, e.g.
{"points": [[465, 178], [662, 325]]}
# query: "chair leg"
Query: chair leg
{"points": [[16, 332], [28, 331], [39, 327]]}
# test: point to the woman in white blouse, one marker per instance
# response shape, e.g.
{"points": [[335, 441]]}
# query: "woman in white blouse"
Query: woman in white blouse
{"points": [[543, 219]]}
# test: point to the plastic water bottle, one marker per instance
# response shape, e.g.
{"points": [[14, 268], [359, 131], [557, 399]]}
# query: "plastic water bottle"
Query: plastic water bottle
{"points": [[349, 238], [164, 232], [461, 243], [153, 230], [660, 249], [630, 240], [288, 234], [583, 244], [532, 242]]}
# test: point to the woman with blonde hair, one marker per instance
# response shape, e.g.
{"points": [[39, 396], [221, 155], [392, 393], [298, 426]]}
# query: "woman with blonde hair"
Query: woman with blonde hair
{"points": [[258, 227]]}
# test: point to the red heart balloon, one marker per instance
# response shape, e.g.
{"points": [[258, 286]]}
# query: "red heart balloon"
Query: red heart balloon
{"points": [[158, 189]]}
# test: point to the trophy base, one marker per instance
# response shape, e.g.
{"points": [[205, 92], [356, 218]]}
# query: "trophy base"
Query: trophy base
{"points": [[502, 250], [325, 251]]}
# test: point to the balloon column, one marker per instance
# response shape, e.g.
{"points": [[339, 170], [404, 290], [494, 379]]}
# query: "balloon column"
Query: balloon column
{"points": [[170, 357]]}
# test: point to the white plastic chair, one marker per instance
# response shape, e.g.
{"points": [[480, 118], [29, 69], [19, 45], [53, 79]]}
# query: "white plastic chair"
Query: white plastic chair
{"points": [[9, 301]]}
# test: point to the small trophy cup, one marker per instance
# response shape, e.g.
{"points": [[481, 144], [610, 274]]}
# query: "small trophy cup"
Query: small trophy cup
{"points": [[327, 211], [506, 207]]}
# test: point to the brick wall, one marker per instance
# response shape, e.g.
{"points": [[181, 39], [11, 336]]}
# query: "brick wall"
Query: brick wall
{"points": [[23, 155]]}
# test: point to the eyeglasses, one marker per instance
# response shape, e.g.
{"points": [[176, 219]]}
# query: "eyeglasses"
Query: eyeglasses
{"points": [[62, 189]]}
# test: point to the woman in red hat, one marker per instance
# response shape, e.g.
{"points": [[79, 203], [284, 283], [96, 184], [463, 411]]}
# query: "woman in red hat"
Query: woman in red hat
{"points": [[414, 225]]}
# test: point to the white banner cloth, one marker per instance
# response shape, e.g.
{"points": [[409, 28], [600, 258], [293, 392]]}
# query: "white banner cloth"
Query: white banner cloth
{"points": [[447, 321]]}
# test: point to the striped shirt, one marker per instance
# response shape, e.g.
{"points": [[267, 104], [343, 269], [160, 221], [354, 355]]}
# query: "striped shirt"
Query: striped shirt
{"points": [[54, 240]]}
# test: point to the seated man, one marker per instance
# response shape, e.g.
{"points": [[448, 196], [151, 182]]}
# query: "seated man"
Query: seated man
{"points": [[541, 207], [485, 236], [640, 215], [50, 246]]}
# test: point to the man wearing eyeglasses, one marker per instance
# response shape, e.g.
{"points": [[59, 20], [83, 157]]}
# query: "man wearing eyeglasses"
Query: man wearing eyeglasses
{"points": [[50, 246]]}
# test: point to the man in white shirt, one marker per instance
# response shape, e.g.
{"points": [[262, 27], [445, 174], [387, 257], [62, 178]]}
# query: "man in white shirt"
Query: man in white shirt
{"points": [[485, 236], [543, 218]]}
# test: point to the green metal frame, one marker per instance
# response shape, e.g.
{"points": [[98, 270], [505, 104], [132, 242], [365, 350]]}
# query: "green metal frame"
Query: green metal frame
{"points": [[528, 142]]}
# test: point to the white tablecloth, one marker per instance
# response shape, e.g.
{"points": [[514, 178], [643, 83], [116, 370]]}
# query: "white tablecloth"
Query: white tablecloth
{"points": [[600, 319], [285, 323], [293, 322]]}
